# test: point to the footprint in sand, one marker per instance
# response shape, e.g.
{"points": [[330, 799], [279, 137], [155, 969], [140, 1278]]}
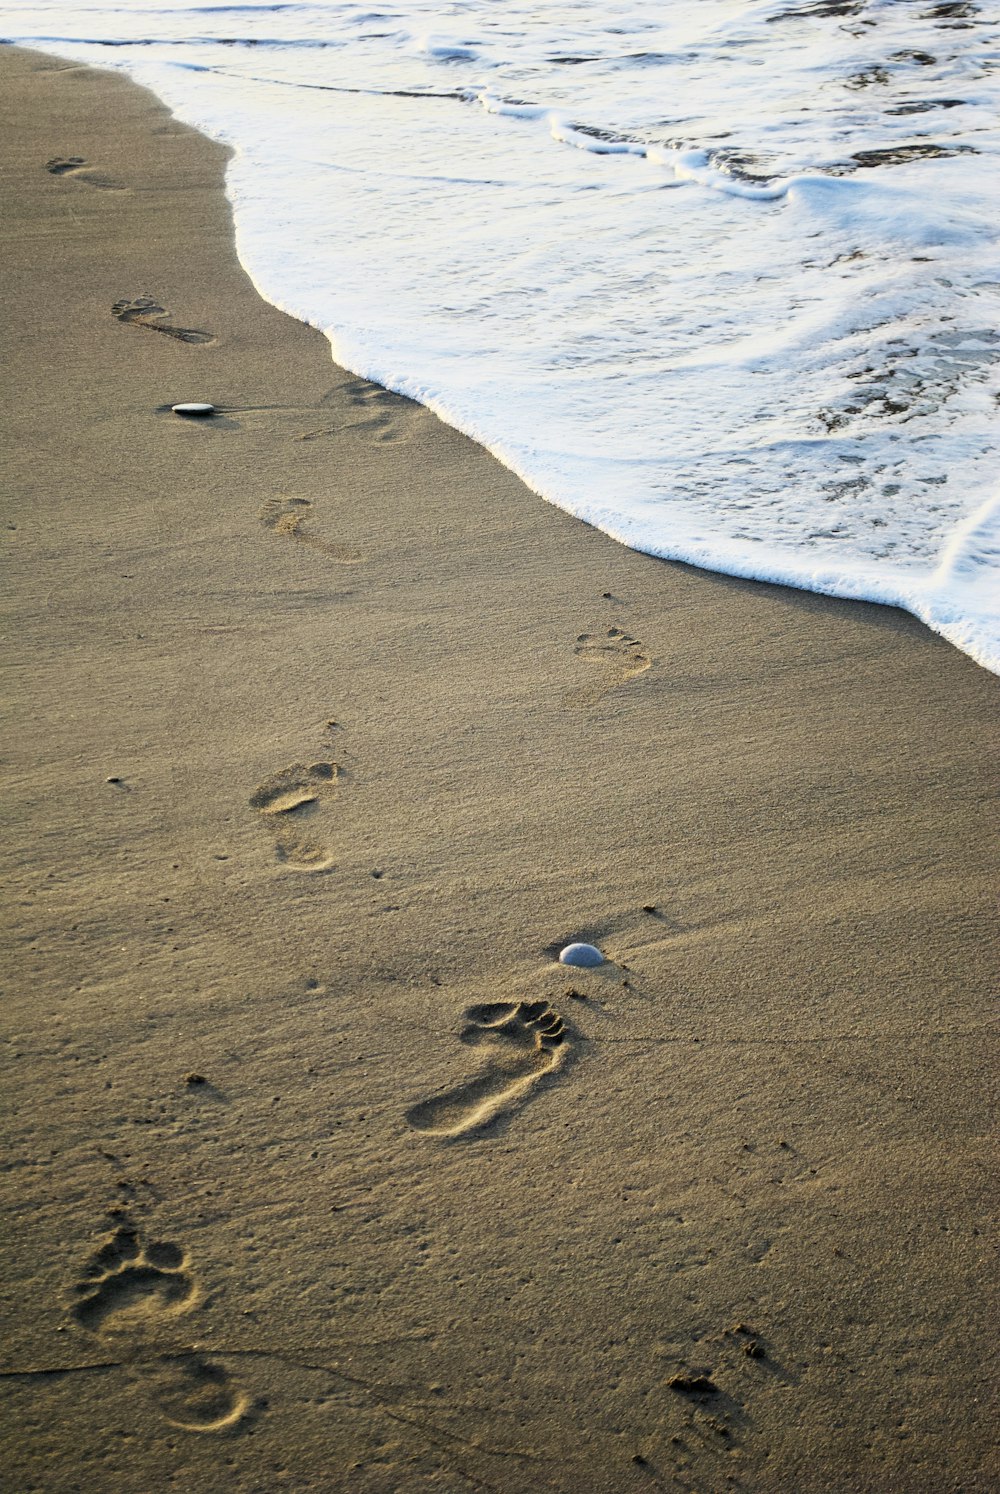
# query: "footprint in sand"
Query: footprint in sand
{"points": [[129, 1285], [290, 517], [616, 654], [292, 803], [143, 311], [78, 170], [522, 1043], [381, 415], [127, 1282], [197, 1394]]}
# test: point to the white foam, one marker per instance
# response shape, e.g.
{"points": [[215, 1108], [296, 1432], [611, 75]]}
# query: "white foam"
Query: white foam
{"points": [[445, 49], [720, 279]]}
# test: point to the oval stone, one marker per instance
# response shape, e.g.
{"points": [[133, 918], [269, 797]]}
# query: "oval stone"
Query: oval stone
{"points": [[581, 954], [193, 409]]}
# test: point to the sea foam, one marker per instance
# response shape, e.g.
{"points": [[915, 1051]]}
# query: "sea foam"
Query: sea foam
{"points": [[722, 280]]}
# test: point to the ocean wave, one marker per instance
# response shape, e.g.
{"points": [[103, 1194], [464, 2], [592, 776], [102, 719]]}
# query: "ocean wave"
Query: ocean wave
{"points": [[722, 280]]}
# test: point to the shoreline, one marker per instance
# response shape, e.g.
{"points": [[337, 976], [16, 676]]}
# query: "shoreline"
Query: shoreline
{"points": [[337, 733]]}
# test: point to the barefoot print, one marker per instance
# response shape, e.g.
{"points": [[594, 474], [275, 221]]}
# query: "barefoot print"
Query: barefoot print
{"points": [[143, 311], [78, 170], [381, 415], [378, 414], [291, 517], [617, 655], [128, 1281], [521, 1042], [293, 804]]}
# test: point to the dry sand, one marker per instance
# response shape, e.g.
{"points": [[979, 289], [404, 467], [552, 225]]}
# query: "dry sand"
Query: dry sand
{"points": [[325, 734]]}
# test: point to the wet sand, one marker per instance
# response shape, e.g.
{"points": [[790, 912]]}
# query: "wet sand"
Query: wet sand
{"points": [[324, 734]]}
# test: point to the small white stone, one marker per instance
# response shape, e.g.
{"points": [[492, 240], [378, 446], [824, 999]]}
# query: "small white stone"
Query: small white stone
{"points": [[581, 954], [193, 409]]}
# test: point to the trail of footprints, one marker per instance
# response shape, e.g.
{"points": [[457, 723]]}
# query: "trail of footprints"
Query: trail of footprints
{"points": [[131, 1285], [135, 1287]]}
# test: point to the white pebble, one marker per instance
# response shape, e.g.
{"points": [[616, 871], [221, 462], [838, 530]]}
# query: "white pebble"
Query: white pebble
{"points": [[581, 954], [193, 409]]}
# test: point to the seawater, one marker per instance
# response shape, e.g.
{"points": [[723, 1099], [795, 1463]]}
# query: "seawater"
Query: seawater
{"points": [[720, 278]]}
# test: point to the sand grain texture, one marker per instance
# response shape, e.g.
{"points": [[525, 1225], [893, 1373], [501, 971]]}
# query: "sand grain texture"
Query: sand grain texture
{"points": [[325, 736]]}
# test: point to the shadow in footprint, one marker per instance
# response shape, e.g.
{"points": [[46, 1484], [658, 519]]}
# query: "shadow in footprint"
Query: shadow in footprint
{"points": [[618, 655], [290, 516], [522, 1042], [77, 169], [127, 1279], [143, 311]]}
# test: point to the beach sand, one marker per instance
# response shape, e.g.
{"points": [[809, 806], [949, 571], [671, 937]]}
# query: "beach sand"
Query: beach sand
{"points": [[324, 735]]}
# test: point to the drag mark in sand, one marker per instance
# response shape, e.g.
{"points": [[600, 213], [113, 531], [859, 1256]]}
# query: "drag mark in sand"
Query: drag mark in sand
{"points": [[522, 1041], [127, 1281], [618, 655], [289, 517], [77, 169], [143, 311], [292, 803]]}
